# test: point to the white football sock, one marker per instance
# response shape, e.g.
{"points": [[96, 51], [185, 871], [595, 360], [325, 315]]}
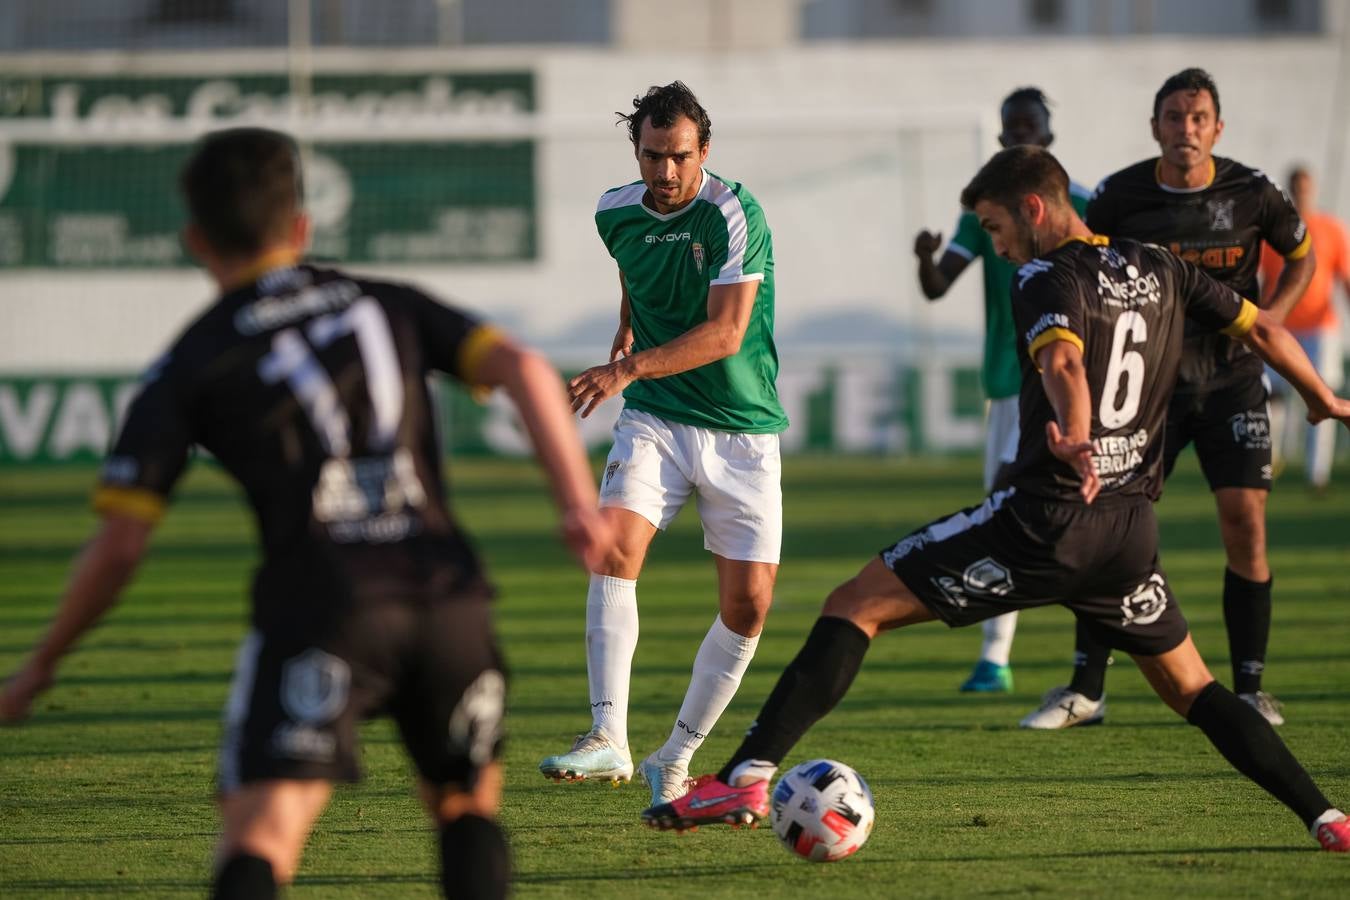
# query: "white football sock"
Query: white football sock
{"points": [[718, 667], [751, 770], [611, 638], [998, 638], [1331, 815]]}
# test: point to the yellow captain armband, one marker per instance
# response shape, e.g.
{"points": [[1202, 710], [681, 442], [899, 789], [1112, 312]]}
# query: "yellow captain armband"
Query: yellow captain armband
{"points": [[1302, 249], [1049, 336], [137, 503], [472, 350], [1246, 318]]}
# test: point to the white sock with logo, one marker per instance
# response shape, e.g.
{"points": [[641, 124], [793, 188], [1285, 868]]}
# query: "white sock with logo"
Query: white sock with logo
{"points": [[718, 668], [611, 638], [998, 638]]}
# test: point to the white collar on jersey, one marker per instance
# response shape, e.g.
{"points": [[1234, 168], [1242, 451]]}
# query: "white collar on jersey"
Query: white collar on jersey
{"points": [[666, 217]]}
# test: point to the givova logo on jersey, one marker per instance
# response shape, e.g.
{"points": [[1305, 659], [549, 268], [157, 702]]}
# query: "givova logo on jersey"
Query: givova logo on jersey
{"points": [[1146, 603], [1251, 429]]}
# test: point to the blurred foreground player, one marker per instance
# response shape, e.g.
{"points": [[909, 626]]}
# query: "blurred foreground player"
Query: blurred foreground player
{"points": [[1215, 213], [1101, 326], [1025, 114], [309, 386]]}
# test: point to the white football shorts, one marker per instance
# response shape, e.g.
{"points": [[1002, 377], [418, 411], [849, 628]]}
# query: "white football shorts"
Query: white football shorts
{"points": [[656, 464], [1000, 440]]}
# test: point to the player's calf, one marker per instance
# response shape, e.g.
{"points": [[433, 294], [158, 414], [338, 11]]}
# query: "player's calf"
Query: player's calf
{"points": [[244, 877]]}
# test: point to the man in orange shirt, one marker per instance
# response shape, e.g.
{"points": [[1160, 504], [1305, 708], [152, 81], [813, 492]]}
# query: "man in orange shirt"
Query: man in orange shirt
{"points": [[1313, 321]]}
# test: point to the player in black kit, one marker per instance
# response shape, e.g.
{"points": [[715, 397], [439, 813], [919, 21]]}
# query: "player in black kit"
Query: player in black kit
{"points": [[1100, 331], [1215, 213], [309, 387]]}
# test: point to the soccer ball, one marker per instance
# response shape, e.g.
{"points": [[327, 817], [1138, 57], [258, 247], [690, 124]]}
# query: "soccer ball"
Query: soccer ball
{"points": [[822, 810]]}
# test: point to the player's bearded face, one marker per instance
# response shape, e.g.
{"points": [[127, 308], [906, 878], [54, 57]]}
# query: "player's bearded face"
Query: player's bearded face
{"points": [[670, 160], [1009, 231], [1186, 127]]}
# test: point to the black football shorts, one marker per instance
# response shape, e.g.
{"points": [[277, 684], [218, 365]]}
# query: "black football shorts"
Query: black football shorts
{"points": [[1230, 427], [300, 692], [1016, 551]]}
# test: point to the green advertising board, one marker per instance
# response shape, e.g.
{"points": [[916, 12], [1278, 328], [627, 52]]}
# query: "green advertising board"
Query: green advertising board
{"points": [[47, 419], [88, 165]]}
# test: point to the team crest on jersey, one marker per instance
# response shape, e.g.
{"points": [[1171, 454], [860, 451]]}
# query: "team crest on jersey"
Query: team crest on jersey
{"points": [[1220, 215], [1145, 604], [1251, 429], [609, 471], [314, 686], [698, 256]]}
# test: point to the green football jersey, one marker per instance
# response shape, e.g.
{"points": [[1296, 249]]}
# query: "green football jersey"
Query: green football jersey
{"points": [[669, 261], [1001, 372]]}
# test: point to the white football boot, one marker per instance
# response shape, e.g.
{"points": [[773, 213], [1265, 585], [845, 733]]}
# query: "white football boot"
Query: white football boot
{"points": [[1063, 708], [594, 755], [669, 781], [1269, 708]]}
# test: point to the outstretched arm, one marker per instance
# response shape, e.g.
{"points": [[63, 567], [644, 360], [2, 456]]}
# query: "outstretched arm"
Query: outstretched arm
{"points": [[537, 392], [1070, 435], [729, 308], [101, 570], [1274, 344]]}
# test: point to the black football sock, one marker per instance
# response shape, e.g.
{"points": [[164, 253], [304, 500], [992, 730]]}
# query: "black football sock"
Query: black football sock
{"points": [[1249, 742], [1090, 660], [1246, 614], [809, 688], [244, 877], [475, 860]]}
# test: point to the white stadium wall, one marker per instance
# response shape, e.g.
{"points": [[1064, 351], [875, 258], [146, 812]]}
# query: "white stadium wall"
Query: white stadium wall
{"points": [[850, 149]]}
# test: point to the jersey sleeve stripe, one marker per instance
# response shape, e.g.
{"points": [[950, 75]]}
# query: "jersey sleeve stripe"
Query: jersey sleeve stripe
{"points": [[138, 503], [964, 252], [738, 231], [1049, 336], [1246, 318], [738, 279], [474, 348], [1302, 249], [627, 195]]}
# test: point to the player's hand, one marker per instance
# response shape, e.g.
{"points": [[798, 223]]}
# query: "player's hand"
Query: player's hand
{"points": [[22, 688], [926, 243], [597, 384], [1337, 408], [1078, 455], [589, 535], [623, 343]]}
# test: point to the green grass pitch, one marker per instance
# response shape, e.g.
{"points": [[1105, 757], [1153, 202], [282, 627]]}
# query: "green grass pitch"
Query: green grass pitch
{"points": [[107, 790]]}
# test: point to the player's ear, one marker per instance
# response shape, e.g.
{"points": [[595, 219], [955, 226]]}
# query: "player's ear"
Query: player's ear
{"points": [[1033, 208], [301, 227], [1153, 124], [703, 152], [1218, 129]]}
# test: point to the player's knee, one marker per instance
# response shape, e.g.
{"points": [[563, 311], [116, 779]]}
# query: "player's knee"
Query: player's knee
{"points": [[451, 801], [849, 601]]}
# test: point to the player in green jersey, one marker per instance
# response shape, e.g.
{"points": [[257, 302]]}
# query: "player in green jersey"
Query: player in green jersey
{"points": [[695, 361], [1025, 114]]}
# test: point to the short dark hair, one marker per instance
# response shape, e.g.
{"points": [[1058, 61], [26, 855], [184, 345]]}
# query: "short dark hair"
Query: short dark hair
{"points": [[1192, 79], [664, 105], [1297, 171], [1013, 173], [242, 186], [1026, 95]]}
